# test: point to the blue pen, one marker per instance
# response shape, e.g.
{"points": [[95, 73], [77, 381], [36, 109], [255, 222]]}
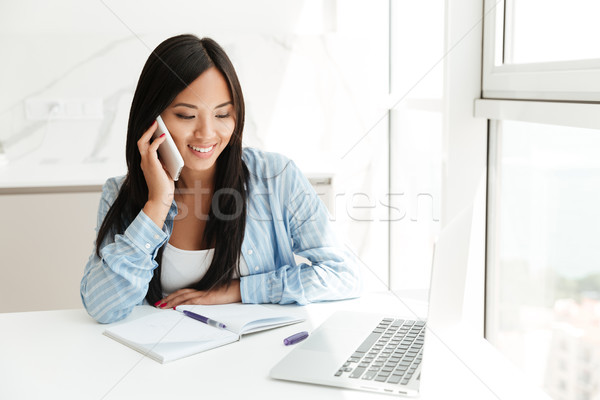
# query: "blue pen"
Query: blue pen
{"points": [[204, 319]]}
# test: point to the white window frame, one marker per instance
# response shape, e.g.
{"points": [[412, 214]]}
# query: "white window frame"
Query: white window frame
{"points": [[577, 80], [579, 115]]}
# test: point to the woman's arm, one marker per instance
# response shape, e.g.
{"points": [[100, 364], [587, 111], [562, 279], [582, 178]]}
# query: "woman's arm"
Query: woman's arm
{"points": [[118, 280], [333, 271]]}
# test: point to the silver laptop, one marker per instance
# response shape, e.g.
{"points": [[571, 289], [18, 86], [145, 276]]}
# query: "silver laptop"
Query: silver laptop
{"points": [[382, 353]]}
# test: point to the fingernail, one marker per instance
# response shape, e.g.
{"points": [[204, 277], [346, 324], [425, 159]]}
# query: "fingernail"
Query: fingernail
{"points": [[162, 305], [155, 304], [162, 135]]}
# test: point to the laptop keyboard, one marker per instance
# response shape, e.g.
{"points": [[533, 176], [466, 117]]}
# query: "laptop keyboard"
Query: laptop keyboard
{"points": [[391, 353]]}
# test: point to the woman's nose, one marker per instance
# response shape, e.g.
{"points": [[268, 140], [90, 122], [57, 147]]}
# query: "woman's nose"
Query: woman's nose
{"points": [[204, 128]]}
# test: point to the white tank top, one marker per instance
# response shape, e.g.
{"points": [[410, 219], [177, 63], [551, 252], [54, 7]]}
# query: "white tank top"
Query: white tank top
{"points": [[183, 268]]}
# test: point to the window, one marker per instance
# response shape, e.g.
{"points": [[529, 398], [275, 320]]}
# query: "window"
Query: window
{"points": [[416, 123], [544, 269], [539, 49], [541, 96]]}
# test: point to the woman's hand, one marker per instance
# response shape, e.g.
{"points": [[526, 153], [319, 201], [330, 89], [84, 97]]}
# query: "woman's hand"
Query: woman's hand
{"points": [[161, 187], [222, 295]]}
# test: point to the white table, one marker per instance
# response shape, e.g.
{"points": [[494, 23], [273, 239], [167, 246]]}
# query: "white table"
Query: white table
{"points": [[63, 355]]}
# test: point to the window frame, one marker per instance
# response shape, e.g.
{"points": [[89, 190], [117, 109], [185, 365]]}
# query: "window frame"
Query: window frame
{"points": [[577, 80]]}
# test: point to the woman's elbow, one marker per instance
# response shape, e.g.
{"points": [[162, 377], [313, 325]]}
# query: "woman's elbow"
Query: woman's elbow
{"points": [[345, 284], [352, 283], [103, 315], [107, 316]]}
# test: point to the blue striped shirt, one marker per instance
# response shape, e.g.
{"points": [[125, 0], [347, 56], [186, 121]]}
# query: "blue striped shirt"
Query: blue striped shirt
{"points": [[284, 217]]}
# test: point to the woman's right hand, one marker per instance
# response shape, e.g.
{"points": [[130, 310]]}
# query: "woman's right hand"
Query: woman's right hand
{"points": [[161, 187]]}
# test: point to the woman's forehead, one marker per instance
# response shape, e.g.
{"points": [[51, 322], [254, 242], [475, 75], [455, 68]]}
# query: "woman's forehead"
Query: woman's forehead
{"points": [[209, 89]]}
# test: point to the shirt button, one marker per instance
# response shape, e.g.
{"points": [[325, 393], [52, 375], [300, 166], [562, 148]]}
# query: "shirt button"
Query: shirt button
{"points": [[256, 268], [250, 252], [156, 236], [147, 245]]}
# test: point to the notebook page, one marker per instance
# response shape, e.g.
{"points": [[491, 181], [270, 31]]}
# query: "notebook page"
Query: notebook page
{"points": [[243, 318], [168, 335]]}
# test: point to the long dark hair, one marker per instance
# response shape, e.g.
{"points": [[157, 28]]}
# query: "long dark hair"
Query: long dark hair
{"points": [[171, 67]]}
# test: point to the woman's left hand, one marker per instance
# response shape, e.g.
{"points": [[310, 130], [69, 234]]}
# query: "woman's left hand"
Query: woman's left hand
{"points": [[222, 295]]}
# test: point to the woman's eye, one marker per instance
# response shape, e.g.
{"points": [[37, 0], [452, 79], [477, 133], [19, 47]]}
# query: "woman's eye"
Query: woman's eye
{"points": [[222, 115], [184, 116]]}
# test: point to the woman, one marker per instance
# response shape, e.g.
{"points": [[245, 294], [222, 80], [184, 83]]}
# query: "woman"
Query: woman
{"points": [[228, 229]]}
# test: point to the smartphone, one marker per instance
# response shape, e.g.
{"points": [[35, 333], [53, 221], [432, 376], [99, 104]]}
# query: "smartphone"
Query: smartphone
{"points": [[167, 151]]}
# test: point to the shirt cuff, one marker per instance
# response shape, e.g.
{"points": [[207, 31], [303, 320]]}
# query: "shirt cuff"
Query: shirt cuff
{"points": [[145, 234], [261, 288]]}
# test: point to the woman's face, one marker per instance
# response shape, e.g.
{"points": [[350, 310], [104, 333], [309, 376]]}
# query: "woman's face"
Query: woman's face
{"points": [[201, 120]]}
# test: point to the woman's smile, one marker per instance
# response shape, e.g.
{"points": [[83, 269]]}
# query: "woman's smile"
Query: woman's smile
{"points": [[202, 151]]}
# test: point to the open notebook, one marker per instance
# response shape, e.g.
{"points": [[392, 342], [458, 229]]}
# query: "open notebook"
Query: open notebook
{"points": [[167, 335]]}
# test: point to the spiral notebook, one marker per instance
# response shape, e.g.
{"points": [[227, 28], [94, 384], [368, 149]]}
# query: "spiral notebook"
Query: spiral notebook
{"points": [[168, 335]]}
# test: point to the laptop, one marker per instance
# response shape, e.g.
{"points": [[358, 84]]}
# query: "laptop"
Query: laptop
{"points": [[383, 353]]}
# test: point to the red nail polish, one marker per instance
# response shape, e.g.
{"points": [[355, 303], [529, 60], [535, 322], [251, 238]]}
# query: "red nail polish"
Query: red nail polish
{"points": [[155, 304], [162, 135], [162, 305]]}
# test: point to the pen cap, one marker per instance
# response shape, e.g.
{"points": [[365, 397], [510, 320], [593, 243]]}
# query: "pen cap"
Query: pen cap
{"points": [[295, 338]]}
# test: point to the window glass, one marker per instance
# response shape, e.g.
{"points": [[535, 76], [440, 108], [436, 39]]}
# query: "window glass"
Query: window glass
{"points": [[543, 278], [551, 30]]}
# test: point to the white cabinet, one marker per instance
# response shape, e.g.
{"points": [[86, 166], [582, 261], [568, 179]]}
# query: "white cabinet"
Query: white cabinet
{"points": [[45, 241]]}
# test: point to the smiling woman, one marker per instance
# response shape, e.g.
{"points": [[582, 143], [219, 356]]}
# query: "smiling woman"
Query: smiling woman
{"points": [[228, 230]]}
